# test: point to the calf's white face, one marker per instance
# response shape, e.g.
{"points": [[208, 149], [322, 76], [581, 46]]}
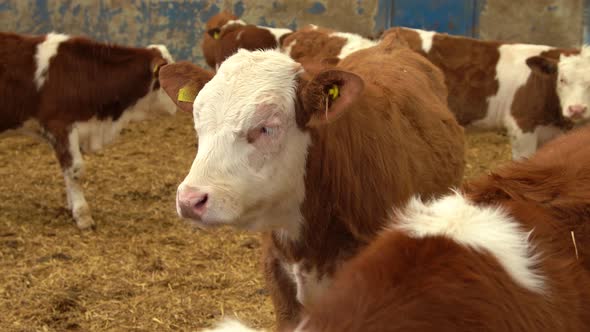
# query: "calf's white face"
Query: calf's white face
{"points": [[573, 85], [250, 165], [251, 154], [572, 81]]}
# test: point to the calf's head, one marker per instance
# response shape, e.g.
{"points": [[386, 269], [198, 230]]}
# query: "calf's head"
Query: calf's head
{"points": [[157, 101], [572, 81], [252, 121]]}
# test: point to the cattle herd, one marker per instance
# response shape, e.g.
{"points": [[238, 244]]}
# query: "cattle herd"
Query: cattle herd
{"points": [[347, 155]]}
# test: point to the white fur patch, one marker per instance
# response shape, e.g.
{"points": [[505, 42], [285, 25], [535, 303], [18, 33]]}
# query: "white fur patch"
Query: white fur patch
{"points": [[287, 49], [45, 51], [276, 32], [231, 325], [310, 285], [353, 43], [481, 228], [232, 22], [163, 51], [426, 37]]}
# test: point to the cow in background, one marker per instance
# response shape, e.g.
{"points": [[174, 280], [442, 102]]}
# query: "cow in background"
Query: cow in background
{"points": [[227, 34], [318, 47], [77, 94], [491, 86], [568, 75]]}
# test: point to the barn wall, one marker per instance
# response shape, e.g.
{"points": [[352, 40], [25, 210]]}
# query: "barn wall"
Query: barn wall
{"points": [[547, 22], [179, 23]]}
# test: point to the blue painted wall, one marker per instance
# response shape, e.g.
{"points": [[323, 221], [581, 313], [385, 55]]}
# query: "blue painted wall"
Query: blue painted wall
{"points": [[179, 24], [458, 17]]}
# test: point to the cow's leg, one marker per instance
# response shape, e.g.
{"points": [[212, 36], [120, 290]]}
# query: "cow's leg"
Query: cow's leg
{"points": [[524, 144], [282, 289], [67, 148], [547, 133]]}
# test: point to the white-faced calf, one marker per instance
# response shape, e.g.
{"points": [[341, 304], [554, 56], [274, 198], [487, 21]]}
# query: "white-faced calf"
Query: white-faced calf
{"points": [[77, 94], [316, 161], [568, 73]]}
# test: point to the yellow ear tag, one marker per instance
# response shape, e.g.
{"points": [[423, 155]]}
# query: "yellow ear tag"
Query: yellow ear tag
{"points": [[216, 35], [187, 94], [156, 68], [334, 92]]}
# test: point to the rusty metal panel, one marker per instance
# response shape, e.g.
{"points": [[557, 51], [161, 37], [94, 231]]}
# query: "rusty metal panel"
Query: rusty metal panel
{"points": [[179, 24]]}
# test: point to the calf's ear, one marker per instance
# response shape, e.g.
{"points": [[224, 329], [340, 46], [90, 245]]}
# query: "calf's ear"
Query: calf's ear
{"points": [[542, 65], [215, 33], [328, 95], [182, 81]]}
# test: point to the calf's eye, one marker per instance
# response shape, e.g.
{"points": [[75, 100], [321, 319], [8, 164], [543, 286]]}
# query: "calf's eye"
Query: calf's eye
{"points": [[267, 130]]}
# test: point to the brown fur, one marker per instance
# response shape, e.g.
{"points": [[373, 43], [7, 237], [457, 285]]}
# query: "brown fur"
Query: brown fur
{"points": [[388, 136], [248, 37], [469, 66], [233, 37], [181, 75], [397, 140], [208, 44], [400, 283], [86, 79], [311, 45]]}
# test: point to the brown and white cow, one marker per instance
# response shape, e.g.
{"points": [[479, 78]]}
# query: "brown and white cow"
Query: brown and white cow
{"points": [[306, 159], [225, 39], [509, 252], [491, 86], [208, 45], [77, 94], [312, 44]]}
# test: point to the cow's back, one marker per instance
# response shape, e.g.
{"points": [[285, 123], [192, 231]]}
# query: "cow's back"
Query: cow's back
{"points": [[469, 66], [18, 93], [426, 142], [79, 87]]}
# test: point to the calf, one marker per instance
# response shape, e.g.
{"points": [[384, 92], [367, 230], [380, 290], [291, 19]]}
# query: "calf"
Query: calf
{"points": [[491, 86], [306, 158], [77, 94], [312, 44], [568, 75], [209, 43], [507, 253], [225, 39]]}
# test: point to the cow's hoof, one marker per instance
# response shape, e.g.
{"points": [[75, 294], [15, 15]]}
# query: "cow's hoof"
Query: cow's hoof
{"points": [[84, 219]]}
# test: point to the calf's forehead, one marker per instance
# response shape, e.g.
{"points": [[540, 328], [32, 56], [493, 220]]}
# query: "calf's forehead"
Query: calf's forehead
{"points": [[574, 66], [246, 80]]}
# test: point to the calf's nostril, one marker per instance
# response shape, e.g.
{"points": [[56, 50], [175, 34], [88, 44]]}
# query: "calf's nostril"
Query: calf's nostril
{"points": [[201, 203]]}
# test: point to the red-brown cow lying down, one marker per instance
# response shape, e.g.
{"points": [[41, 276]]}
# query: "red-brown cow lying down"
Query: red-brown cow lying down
{"points": [[77, 94], [307, 158], [507, 253], [312, 44], [225, 39], [491, 86]]}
